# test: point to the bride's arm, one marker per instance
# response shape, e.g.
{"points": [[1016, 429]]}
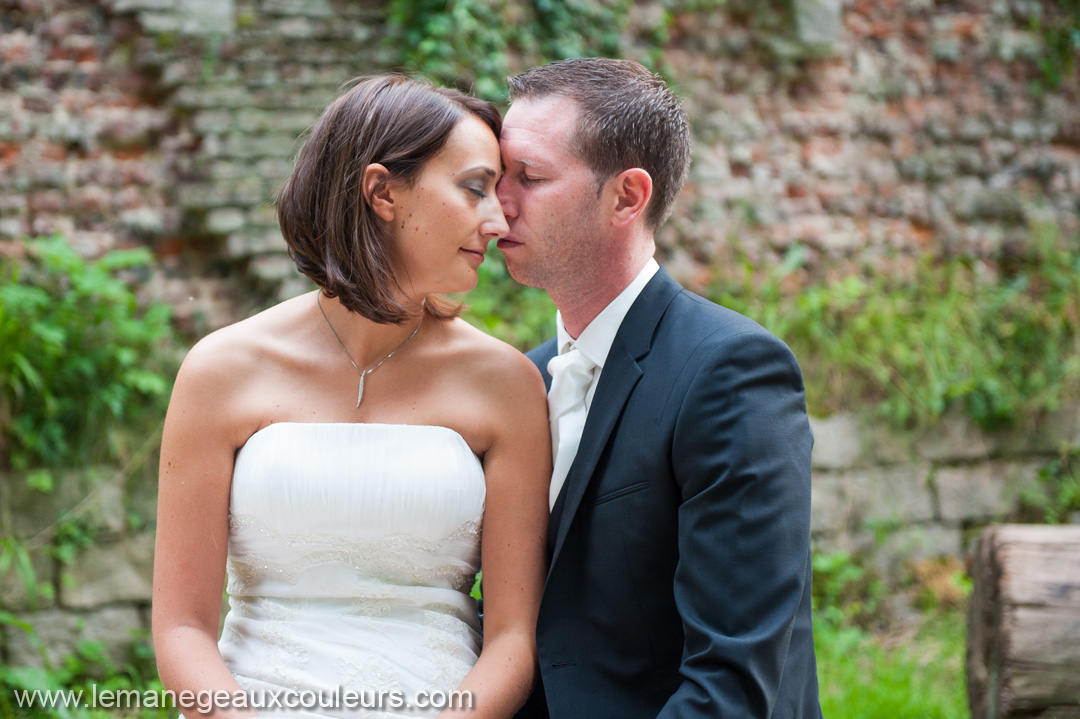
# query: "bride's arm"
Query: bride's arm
{"points": [[517, 468], [193, 531]]}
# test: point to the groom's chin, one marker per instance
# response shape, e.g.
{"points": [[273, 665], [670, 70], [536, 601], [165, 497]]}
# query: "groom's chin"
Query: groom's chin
{"points": [[516, 269]]}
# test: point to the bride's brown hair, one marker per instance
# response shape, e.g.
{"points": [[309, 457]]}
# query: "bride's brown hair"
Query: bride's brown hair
{"points": [[333, 235]]}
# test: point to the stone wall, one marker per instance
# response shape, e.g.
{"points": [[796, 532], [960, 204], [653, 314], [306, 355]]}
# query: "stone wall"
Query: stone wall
{"points": [[101, 591], [894, 497]]}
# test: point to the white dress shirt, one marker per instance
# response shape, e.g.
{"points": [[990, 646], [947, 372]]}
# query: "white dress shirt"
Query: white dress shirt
{"points": [[594, 343]]}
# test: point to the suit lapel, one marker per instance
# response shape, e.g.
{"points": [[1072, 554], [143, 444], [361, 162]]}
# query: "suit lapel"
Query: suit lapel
{"points": [[620, 375]]}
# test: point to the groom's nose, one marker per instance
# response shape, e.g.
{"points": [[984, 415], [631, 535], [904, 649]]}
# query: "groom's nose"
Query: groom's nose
{"points": [[506, 199]]}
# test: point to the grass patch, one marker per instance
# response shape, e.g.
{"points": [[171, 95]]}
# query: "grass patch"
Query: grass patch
{"points": [[918, 674], [872, 667]]}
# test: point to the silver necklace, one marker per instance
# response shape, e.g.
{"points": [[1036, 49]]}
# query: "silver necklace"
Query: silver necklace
{"points": [[363, 372]]}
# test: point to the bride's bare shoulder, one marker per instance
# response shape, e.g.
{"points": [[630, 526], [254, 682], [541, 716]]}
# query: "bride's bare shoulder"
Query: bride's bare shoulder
{"points": [[243, 349], [494, 364]]}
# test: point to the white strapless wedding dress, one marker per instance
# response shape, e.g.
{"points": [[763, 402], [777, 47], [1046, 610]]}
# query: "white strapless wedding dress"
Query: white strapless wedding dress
{"points": [[352, 550]]}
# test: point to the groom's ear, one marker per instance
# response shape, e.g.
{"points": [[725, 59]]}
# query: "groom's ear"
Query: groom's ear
{"points": [[377, 192], [632, 190]]}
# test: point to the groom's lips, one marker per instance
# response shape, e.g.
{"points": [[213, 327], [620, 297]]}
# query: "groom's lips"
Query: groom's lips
{"points": [[507, 244]]}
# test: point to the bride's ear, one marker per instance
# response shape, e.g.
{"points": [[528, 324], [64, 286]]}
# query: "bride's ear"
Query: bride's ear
{"points": [[377, 194]]}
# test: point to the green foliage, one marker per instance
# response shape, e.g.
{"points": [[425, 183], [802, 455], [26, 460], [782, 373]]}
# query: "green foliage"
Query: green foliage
{"points": [[999, 349], [1057, 498], [470, 43], [870, 674], [86, 672], [86, 668], [71, 536], [462, 40], [80, 362], [16, 562], [864, 675], [522, 316], [844, 592], [1061, 41]]}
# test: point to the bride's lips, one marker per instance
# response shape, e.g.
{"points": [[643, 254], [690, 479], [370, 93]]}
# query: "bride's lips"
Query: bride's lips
{"points": [[474, 254]]}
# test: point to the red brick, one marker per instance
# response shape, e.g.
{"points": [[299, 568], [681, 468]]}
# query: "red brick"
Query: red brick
{"points": [[135, 173], [129, 153], [916, 28], [914, 108], [818, 146], [91, 199], [49, 224], [923, 236], [9, 153], [882, 29], [68, 24], [125, 28], [831, 191], [858, 25], [968, 27], [169, 247], [17, 48], [53, 152], [51, 201]]}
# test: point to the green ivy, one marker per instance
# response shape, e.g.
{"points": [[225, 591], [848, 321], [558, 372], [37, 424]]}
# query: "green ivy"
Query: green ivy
{"points": [[82, 364], [1061, 41], [522, 316], [460, 42], [1000, 349], [84, 673], [476, 44], [1056, 498]]}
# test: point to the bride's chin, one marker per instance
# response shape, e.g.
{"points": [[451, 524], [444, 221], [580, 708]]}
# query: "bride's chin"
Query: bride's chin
{"points": [[466, 285], [469, 288]]}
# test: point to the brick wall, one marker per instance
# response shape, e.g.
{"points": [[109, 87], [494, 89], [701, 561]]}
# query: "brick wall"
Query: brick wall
{"points": [[913, 129]]}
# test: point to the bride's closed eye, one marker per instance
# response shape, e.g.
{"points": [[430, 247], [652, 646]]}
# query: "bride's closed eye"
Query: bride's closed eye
{"points": [[476, 190]]}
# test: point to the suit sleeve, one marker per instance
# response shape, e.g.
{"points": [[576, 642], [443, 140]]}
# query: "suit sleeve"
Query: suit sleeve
{"points": [[741, 455]]}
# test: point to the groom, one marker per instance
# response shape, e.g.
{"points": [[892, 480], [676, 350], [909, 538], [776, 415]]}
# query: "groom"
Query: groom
{"points": [[679, 537]]}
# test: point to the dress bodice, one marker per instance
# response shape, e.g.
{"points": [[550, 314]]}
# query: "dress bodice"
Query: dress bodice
{"points": [[352, 549]]}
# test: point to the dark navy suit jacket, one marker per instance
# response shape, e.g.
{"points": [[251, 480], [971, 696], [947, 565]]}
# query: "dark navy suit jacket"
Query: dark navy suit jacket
{"points": [[679, 548]]}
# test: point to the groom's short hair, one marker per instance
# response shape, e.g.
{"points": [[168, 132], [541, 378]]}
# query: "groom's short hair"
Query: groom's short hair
{"points": [[629, 118]]}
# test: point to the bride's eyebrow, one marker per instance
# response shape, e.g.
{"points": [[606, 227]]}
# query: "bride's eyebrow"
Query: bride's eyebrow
{"points": [[482, 168]]}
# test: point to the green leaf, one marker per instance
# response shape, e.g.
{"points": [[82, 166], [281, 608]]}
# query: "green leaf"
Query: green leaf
{"points": [[40, 480]]}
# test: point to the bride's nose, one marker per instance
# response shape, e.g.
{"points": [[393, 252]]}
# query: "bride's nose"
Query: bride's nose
{"points": [[495, 225]]}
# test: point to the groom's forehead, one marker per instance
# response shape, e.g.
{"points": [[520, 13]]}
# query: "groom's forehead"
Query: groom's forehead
{"points": [[552, 113], [532, 127]]}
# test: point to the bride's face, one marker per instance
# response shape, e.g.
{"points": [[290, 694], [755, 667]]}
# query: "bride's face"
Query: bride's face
{"points": [[444, 221]]}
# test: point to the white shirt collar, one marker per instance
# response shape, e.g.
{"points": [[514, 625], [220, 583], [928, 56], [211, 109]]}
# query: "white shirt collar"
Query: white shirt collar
{"points": [[595, 340]]}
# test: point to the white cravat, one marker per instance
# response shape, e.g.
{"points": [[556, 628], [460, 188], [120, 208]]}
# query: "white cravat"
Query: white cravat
{"points": [[571, 375], [568, 410]]}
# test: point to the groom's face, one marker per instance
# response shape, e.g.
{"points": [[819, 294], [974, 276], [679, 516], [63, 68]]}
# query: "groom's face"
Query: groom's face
{"points": [[550, 198]]}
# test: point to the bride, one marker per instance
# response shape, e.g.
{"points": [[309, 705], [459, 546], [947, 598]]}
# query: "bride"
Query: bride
{"points": [[336, 456]]}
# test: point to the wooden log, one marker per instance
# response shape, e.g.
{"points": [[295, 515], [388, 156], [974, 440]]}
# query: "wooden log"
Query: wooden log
{"points": [[1023, 649]]}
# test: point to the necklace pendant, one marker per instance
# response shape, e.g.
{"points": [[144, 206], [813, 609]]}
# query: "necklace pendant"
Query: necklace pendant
{"points": [[360, 391]]}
